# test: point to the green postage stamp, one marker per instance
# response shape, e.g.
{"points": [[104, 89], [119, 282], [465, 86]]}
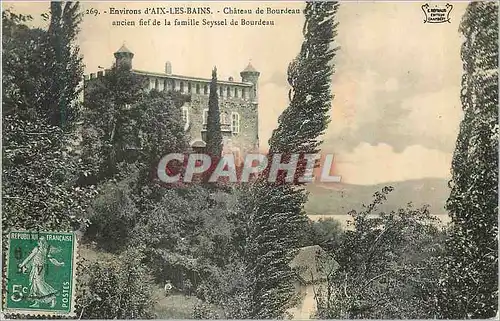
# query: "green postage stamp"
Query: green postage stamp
{"points": [[41, 269]]}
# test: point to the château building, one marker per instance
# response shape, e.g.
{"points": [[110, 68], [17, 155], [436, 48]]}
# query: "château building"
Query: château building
{"points": [[238, 103]]}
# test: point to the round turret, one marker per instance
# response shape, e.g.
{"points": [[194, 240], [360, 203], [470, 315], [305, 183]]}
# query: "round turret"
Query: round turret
{"points": [[124, 57], [251, 75]]}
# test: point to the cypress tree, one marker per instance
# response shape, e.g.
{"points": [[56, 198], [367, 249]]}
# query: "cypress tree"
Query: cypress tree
{"points": [[214, 136], [277, 217], [471, 274]]}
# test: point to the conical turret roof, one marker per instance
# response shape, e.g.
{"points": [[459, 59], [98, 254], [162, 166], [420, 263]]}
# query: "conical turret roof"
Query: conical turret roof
{"points": [[250, 68], [123, 49]]}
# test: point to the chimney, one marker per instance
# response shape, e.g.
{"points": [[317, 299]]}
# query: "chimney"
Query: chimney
{"points": [[168, 68]]}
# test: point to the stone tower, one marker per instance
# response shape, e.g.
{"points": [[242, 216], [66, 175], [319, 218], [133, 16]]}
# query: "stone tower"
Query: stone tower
{"points": [[124, 57], [251, 75]]}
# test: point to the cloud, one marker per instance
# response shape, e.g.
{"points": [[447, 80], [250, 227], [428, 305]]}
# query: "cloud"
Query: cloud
{"points": [[368, 164], [397, 81]]}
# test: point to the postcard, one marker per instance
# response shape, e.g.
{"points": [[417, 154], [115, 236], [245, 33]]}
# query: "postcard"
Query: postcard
{"points": [[250, 160]]}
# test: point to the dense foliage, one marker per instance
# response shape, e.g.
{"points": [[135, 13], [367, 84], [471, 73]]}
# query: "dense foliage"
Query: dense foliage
{"points": [[39, 163], [38, 178], [42, 69], [118, 288], [388, 265], [471, 280], [277, 219]]}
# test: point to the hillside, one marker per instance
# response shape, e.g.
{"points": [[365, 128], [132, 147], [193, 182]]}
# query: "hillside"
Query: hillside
{"points": [[337, 199]]}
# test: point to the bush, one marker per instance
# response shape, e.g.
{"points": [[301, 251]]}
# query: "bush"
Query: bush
{"points": [[116, 289], [389, 265], [112, 216]]}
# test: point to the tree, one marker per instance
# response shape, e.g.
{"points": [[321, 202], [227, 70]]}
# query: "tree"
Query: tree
{"points": [[471, 278], [276, 210], [387, 265], [64, 63], [39, 163], [42, 68], [23, 66], [124, 123], [214, 136], [107, 117], [38, 176], [326, 233]]}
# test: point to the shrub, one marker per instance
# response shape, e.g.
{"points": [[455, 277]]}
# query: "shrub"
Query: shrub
{"points": [[116, 289]]}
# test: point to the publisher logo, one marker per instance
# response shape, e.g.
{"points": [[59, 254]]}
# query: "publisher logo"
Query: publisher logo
{"points": [[437, 13]]}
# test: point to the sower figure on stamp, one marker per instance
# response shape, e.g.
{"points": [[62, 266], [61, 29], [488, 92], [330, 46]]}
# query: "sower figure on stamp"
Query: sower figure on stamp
{"points": [[40, 291]]}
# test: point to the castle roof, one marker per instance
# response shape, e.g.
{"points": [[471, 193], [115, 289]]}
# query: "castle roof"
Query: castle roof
{"points": [[250, 68], [190, 78], [123, 49]]}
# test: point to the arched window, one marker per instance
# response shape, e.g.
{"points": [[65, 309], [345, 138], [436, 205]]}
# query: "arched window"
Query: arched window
{"points": [[243, 93], [181, 87], [157, 84], [198, 89], [189, 87], [228, 90], [205, 90]]}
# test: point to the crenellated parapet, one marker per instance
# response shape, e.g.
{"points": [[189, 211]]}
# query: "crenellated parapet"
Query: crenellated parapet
{"points": [[96, 75]]}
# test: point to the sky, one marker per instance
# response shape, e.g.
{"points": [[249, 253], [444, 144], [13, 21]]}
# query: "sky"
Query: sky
{"points": [[396, 107]]}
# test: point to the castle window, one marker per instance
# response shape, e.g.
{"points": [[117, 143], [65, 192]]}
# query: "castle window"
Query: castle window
{"points": [[198, 89], [157, 84], [235, 122], [205, 116], [189, 87], [185, 117], [205, 90], [181, 87], [236, 92], [165, 85], [228, 92], [221, 91], [243, 93]]}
